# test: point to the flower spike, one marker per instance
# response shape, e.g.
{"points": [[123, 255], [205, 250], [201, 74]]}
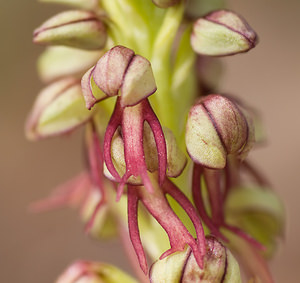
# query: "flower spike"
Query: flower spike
{"points": [[133, 144]]}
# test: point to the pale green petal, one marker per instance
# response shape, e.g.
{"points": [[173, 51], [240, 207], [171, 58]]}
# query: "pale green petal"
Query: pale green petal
{"points": [[79, 29], [60, 61]]}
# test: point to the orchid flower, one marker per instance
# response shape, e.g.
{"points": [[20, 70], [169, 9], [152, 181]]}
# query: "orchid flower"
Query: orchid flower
{"points": [[141, 78]]}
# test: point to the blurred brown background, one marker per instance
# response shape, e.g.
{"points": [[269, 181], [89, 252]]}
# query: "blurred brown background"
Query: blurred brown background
{"points": [[36, 248]]}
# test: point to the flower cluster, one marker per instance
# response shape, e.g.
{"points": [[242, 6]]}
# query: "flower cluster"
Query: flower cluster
{"points": [[139, 77]]}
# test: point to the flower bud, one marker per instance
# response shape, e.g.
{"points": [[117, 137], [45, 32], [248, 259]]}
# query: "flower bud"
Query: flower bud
{"points": [[215, 128], [222, 33], [259, 212], [58, 109], [104, 224], [84, 4], [165, 3], [80, 29], [219, 266], [120, 70], [93, 272], [59, 61]]}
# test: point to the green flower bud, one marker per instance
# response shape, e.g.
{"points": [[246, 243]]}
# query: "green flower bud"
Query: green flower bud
{"points": [[219, 266], [215, 128], [222, 33], [93, 272], [80, 29], [165, 3], [259, 212], [58, 109], [59, 61], [84, 4], [104, 224]]}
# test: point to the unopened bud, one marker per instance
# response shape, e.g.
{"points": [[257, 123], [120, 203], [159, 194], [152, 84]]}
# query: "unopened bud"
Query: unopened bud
{"points": [[222, 33], [59, 61], [104, 225], [93, 272], [219, 266], [165, 3], [76, 28], [215, 128], [58, 109], [120, 71], [259, 212]]}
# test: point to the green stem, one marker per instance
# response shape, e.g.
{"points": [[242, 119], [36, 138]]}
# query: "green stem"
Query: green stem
{"points": [[162, 66]]}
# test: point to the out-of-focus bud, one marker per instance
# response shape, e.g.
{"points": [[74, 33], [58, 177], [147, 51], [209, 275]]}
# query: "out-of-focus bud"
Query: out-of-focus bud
{"points": [[59, 61], [80, 29], [176, 159], [165, 3], [84, 4], [104, 224], [58, 109], [259, 212], [215, 128], [119, 71], [219, 266], [93, 272], [222, 33]]}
